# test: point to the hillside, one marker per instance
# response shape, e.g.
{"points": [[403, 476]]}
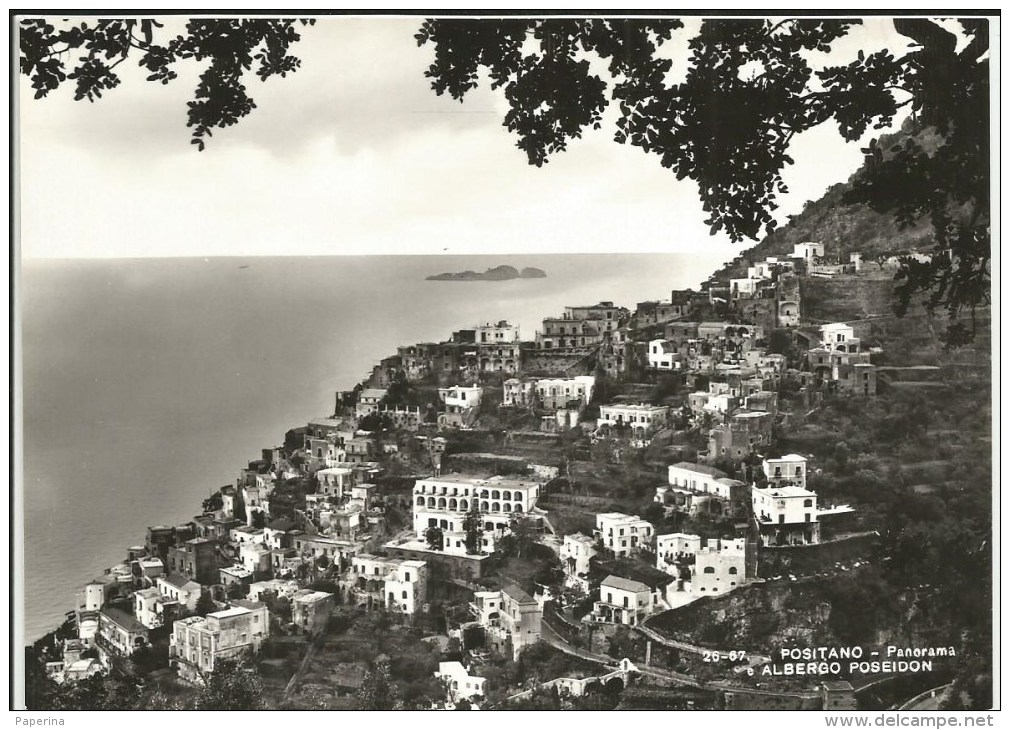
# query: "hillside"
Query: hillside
{"points": [[842, 228]]}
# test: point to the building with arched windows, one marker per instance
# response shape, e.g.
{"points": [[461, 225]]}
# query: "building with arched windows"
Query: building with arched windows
{"points": [[445, 501]]}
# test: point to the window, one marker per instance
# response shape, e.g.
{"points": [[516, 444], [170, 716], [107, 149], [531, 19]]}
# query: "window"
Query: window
{"points": [[404, 594]]}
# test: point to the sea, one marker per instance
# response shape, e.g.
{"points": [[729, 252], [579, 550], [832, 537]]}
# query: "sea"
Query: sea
{"points": [[148, 383]]}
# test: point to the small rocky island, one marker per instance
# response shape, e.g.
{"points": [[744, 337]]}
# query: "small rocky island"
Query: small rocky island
{"points": [[496, 273]]}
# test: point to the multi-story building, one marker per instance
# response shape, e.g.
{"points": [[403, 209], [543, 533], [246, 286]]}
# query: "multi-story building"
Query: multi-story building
{"points": [[576, 552], [556, 393], [623, 534], [196, 559], [786, 515], [641, 419], [839, 337], [310, 611], [198, 643], [624, 601], [399, 585], [788, 470], [459, 683], [510, 617], [698, 488], [460, 398], [336, 481], [701, 566], [444, 502], [179, 588], [518, 393], [119, 634], [663, 355], [368, 401], [500, 332], [150, 607]]}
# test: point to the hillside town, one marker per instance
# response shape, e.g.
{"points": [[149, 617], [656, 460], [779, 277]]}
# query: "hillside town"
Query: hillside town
{"points": [[504, 499]]}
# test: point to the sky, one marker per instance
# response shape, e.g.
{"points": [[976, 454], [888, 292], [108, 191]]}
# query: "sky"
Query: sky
{"points": [[355, 154]]}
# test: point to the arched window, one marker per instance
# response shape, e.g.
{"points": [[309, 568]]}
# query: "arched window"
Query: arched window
{"points": [[464, 505], [709, 569], [452, 504], [431, 501], [495, 507], [506, 507], [483, 506], [732, 571], [517, 508], [495, 494], [420, 501], [808, 503]]}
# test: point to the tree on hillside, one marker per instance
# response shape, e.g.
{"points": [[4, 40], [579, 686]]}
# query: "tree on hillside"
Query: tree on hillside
{"points": [[377, 692], [749, 89], [231, 686]]}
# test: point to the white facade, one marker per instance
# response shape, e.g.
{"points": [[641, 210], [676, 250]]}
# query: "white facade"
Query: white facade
{"points": [[149, 606], [516, 392], [336, 481], [576, 551], [280, 588], [624, 601], [640, 418], [368, 401], [496, 333], [662, 355], [458, 398], [197, 643], [701, 479], [178, 588], [459, 683], [790, 469], [623, 534], [785, 505], [808, 251], [444, 501], [557, 392], [714, 566], [837, 333]]}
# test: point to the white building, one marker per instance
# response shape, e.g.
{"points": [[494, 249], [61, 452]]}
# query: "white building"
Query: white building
{"points": [[576, 551], [701, 567], [511, 618], [197, 643], [640, 418], [808, 251], [500, 332], [459, 398], [839, 337], [178, 588], [517, 393], [368, 401], [788, 470], [399, 585], [459, 683], [786, 515], [663, 355], [623, 534], [279, 588], [624, 601], [149, 607], [444, 501], [559, 392], [336, 481]]}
